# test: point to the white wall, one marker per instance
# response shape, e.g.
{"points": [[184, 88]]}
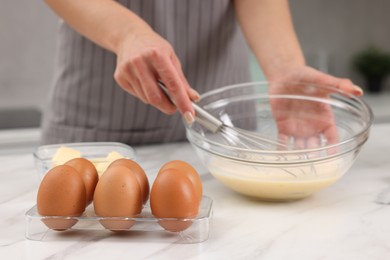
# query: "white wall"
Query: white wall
{"points": [[340, 28], [333, 29], [27, 47]]}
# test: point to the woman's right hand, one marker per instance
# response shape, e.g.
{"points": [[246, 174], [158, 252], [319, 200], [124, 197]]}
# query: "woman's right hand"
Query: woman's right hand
{"points": [[143, 58]]}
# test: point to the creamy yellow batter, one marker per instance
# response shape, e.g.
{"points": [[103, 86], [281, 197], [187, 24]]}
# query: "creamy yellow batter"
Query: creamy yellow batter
{"points": [[277, 182]]}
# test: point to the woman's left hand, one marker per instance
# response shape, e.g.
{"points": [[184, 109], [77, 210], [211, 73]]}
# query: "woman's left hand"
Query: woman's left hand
{"points": [[294, 126]]}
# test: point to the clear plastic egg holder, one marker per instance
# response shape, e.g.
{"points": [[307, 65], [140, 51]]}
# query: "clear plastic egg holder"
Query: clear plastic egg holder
{"points": [[146, 226]]}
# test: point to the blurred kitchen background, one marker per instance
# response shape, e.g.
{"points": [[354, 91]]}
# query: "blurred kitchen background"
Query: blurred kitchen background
{"points": [[331, 33]]}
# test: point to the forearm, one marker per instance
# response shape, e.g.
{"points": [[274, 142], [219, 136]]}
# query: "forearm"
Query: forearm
{"points": [[268, 29], [105, 22]]}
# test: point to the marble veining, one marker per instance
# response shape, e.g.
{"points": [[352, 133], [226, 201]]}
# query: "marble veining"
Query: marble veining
{"points": [[349, 220]]}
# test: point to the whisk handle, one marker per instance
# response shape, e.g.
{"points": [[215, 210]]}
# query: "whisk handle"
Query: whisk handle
{"points": [[201, 116], [206, 119]]}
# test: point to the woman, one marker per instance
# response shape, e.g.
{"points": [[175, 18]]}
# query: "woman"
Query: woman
{"points": [[112, 53]]}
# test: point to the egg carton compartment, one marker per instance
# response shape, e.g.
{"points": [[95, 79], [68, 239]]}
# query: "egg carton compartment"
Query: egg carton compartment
{"points": [[95, 151], [145, 226]]}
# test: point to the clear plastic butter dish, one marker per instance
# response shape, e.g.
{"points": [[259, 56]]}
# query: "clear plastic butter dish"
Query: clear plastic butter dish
{"points": [[143, 227], [99, 153]]}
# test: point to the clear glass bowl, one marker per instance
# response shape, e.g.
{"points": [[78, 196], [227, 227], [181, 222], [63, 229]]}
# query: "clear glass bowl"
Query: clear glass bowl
{"points": [[314, 132]]}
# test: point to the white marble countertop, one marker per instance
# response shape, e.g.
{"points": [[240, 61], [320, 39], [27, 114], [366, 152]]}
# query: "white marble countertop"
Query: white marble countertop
{"points": [[344, 221]]}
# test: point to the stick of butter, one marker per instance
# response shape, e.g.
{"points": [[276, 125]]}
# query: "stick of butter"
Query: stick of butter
{"points": [[102, 164], [64, 154]]}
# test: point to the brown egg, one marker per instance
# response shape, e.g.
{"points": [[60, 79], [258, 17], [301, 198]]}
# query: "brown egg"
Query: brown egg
{"points": [[174, 196], [189, 171], [61, 193], [117, 194], [88, 173], [140, 174]]}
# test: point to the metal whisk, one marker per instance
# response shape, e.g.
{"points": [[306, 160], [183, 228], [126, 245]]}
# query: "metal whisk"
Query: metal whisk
{"points": [[233, 135]]}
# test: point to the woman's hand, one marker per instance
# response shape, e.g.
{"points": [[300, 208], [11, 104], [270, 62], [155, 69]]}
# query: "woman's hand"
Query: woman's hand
{"points": [[268, 28], [291, 116], [143, 58]]}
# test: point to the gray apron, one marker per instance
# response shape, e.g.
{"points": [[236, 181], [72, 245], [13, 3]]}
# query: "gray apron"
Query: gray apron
{"points": [[87, 105]]}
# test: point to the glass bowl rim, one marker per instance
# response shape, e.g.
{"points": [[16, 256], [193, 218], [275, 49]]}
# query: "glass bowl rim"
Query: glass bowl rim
{"points": [[361, 137]]}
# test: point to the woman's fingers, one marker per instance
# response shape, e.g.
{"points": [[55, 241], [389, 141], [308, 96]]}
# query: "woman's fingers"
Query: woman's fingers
{"points": [[143, 61], [129, 83], [169, 75], [283, 141], [340, 83], [148, 84], [192, 93], [347, 86]]}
